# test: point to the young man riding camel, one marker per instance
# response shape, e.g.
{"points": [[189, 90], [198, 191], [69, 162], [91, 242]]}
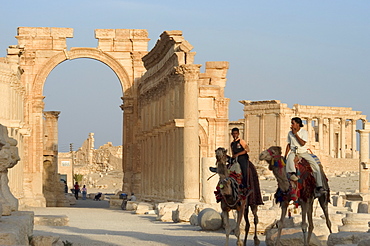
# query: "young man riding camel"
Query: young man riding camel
{"points": [[297, 146]]}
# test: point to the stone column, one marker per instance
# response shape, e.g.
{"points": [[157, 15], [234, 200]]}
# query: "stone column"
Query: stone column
{"points": [[331, 137], [262, 132], [191, 164], [343, 138], [51, 181], [321, 132], [364, 159], [309, 130], [278, 120], [354, 139]]}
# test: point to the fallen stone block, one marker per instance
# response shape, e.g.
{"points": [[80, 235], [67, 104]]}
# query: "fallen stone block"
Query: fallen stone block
{"points": [[51, 220], [183, 212], [290, 236], [347, 238], [115, 202], [209, 219], [355, 222], [194, 220], [131, 205], [165, 210], [143, 208], [15, 229], [44, 240]]}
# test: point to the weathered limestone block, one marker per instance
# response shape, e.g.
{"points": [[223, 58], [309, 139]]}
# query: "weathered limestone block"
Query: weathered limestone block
{"points": [[200, 206], [337, 200], [194, 220], [354, 222], [165, 211], [131, 205], [183, 212], [347, 238], [265, 219], [143, 208], [290, 236], [209, 219], [115, 203], [353, 205], [46, 240], [15, 229], [51, 220]]}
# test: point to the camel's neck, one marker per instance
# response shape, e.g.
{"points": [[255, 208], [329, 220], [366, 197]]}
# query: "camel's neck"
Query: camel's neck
{"points": [[222, 169], [281, 177]]}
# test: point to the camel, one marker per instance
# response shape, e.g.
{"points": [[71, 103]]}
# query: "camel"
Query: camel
{"points": [[284, 193], [232, 199]]}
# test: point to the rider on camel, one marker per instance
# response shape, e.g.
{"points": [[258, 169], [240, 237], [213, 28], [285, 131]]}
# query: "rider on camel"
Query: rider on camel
{"points": [[297, 145], [240, 151]]}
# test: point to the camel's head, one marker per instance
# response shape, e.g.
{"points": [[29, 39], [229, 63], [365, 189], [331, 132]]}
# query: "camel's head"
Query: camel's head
{"points": [[221, 163], [225, 187], [274, 152], [221, 154]]}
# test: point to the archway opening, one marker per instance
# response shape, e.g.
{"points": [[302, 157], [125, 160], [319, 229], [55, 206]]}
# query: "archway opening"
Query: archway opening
{"points": [[88, 94]]}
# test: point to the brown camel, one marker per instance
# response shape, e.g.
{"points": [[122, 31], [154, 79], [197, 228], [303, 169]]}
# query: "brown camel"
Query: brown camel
{"points": [[231, 198], [284, 193]]}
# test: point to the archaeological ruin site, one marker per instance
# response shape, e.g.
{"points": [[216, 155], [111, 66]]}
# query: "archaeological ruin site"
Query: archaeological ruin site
{"points": [[174, 117]]}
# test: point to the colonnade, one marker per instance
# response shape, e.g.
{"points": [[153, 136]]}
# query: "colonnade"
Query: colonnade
{"points": [[340, 135]]}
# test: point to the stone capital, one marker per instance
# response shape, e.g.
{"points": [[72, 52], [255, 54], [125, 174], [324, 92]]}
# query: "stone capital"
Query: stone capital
{"points": [[188, 70]]}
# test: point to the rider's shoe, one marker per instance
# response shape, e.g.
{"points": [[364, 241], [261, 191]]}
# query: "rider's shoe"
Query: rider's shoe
{"points": [[293, 177], [213, 169]]}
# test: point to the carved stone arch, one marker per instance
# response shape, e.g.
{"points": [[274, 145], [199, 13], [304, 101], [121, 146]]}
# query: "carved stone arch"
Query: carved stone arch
{"points": [[92, 53], [203, 142]]}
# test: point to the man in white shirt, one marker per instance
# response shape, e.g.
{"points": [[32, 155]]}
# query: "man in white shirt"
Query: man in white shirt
{"points": [[297, 145]]}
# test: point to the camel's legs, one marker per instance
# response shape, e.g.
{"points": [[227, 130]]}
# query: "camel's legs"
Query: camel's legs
{"points": [[247, 224], [254, 209], [225, 217], [280, 223], [310, 221], [323, 200], [304, 207], [240, 212]]}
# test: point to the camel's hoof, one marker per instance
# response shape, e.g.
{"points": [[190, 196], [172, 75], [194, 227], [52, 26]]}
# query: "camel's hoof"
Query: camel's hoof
{"points": [[257, 242], [239, 243]]}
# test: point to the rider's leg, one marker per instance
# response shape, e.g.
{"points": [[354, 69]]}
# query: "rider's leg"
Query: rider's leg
{"points": [[315, 168], [290, 166], [243, 162]]}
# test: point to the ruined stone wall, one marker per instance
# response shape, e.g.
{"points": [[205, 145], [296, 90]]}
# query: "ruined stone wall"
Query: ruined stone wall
{"points": [[12, 112], [182, 117]]}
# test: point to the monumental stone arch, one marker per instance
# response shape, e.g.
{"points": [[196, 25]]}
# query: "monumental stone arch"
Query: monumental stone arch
{"points": [[174, 116]]}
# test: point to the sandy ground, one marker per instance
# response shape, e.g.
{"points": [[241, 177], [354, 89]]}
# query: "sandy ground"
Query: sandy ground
{"points": [[94, 223]]}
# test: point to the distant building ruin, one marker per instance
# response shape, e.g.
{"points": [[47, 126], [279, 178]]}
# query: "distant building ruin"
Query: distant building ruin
{"points": [[332, 131]]}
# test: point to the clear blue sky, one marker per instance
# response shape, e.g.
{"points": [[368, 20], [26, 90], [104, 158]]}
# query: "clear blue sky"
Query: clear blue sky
{"points": [[305, 52]]}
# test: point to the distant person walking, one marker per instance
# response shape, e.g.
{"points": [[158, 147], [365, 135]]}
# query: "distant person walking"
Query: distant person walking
{"points": [[84, 192], [77, 190]]}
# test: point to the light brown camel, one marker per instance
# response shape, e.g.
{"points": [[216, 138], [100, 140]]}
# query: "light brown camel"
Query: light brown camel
{"points": [[284, 193], [232, 199]]}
